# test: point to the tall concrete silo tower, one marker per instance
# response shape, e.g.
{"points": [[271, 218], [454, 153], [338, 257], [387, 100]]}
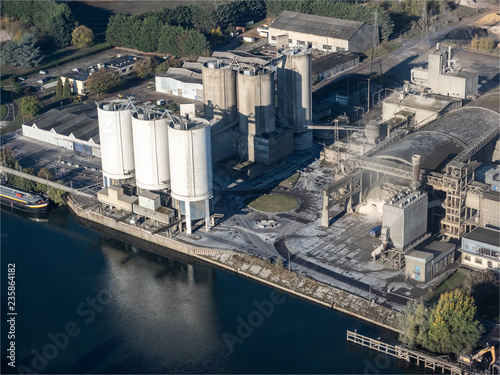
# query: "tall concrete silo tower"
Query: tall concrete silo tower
{"points": [[115, 137], [191, 169], [295, 95], [152, 167], [256, 107], [219, 90]]}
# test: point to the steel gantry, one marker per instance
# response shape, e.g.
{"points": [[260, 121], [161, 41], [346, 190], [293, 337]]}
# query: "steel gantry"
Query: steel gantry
{"points": [[340, 191]]}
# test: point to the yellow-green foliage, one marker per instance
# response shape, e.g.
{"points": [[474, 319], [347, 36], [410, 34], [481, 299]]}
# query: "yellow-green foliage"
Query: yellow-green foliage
{"points": [[453, 326], [483, 44]]}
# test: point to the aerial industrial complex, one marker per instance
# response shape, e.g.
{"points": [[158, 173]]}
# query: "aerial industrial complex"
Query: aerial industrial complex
{"points": [[389, 197]]}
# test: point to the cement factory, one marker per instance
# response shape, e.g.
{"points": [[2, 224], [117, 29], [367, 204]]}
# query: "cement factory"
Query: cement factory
{"points": [[414, 169], [405, 171]]}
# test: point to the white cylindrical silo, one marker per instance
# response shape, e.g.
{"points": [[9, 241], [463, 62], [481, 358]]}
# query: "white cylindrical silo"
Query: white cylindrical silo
{"points": [[256, 107], [219, 89], [191, 169], [295, 95], [152, 167], [115, 137]]}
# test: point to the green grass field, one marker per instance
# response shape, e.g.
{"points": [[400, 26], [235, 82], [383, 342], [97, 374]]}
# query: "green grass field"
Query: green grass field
{"points": [[274, 203], [451, 283]]}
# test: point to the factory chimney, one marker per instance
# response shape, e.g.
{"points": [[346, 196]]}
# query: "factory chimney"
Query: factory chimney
{"points": [[415, 159]]}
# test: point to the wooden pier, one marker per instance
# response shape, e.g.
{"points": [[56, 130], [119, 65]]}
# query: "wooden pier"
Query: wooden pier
{"points": [[429, 361]]}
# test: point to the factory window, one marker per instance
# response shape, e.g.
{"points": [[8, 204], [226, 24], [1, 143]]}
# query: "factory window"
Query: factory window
{"points": [[301, 42], [490, 264], [417, 272], [340, 49], [467, 258], [479, 261], [290, 41], [124, 70], [273, 38], [327, 47]]}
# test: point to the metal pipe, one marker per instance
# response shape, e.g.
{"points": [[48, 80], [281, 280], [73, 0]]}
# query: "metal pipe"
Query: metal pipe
{"points": [[416, 170]]}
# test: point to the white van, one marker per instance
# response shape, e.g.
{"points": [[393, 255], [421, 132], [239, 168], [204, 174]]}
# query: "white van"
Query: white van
{"points": [[161, 102]]}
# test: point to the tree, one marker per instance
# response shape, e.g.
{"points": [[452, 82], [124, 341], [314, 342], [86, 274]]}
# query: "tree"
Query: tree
{"points": [[29, 55], [30, 105], [8, 157], [57, 196], [59, 86], [146, 67], [43, 173], [66, 88], [9, 53], [414, 324], [103, 81], [82, 36], [452, 325]]}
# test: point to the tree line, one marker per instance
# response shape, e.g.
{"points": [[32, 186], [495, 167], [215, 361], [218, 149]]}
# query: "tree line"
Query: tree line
{"points": [[448, 327], [51, 22]]}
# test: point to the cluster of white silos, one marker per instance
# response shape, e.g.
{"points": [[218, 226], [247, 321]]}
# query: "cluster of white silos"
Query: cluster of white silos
{"points": [[295, 95], [162, 152], [115, 137]]}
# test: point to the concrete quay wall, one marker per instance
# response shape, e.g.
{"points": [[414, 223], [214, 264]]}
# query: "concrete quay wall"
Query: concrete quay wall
{"points": [[258, 270]]}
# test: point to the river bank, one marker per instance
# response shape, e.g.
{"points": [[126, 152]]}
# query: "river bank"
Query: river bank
{"points": [[257, 270]]}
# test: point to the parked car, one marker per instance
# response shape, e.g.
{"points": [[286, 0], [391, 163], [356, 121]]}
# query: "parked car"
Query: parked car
{"points": [[21, 78], [161, 102], [42, 80], [42, 72]]}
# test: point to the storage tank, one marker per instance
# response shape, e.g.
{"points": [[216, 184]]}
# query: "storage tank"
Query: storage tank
{"points": [[256, 101], [191, 169], [115, 137], [219, 90], [152, 167], [295, 95]]}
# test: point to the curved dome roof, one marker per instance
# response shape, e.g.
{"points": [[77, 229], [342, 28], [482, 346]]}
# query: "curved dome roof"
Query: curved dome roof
{"points": [[443, 139]]}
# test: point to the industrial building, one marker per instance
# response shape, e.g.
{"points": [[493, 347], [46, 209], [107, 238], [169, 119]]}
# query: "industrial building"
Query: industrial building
{"points": [[185, 82], [323, 33], [444, 76], [123, 65], [481, 249], [73, 127], [423, 175], [426, 261]]}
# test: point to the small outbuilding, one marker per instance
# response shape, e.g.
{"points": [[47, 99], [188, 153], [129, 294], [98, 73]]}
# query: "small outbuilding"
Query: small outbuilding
{"points": [[425, 262]]}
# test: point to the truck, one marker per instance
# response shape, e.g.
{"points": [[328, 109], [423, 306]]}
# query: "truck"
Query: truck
{"points": [[375, 232]]}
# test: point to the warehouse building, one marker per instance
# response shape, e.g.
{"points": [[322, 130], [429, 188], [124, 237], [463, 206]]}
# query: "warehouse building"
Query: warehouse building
{"points": [[184, 82], [426, 261], [74, 128], [323, 33]]}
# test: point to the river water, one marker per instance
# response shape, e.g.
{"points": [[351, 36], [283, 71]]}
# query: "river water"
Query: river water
{"points": [[87, 302]]}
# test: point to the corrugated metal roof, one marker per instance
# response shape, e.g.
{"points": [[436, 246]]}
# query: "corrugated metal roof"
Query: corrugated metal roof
{"points": [[443, 139], [316, 25], [331, 60]]}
